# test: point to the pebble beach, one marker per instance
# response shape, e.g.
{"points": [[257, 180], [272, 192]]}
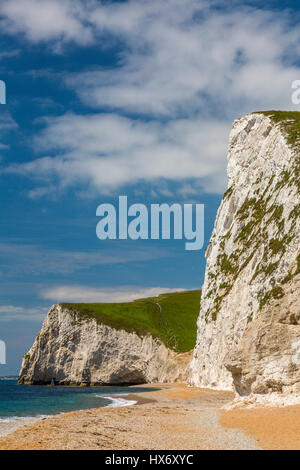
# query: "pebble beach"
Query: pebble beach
{"points": [[175, 417]]}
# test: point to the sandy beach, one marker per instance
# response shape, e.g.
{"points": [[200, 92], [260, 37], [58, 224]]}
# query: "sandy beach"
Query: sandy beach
{"points": [[176, 417]]}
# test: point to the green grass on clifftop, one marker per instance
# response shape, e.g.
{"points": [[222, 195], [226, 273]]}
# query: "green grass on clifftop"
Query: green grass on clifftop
{"points": [[289, 122], [170, 317]]}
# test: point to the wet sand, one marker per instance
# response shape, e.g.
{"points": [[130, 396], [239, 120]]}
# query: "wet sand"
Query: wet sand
{"points": [[176, 417], [7, 427]]}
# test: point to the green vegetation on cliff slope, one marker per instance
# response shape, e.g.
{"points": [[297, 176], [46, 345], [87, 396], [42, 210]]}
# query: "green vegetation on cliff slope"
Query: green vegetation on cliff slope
{"points": [[254, 218], [170, 317], [289, 122]]}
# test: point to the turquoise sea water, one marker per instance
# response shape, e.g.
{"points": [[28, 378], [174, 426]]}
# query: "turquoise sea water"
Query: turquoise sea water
{"points": [[17, 401]]}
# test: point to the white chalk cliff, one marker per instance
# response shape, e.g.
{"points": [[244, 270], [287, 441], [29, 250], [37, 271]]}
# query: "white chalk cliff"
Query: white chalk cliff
{"points": [[249, 322], [78, 351]]}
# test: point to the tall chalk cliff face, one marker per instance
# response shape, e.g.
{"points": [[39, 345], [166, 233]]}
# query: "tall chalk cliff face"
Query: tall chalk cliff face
{"points": [[78, 351], [248, 327]]}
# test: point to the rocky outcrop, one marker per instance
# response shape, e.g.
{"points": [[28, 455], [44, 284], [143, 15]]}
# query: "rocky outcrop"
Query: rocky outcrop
{"points": [[248, 327], [79, 351]]}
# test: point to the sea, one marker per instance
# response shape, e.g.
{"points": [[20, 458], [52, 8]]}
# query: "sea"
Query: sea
{"points": [[34, 401]]}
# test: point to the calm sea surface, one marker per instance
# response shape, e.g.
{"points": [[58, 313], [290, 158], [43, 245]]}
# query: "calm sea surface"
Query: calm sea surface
{"points": [[17, 401]]}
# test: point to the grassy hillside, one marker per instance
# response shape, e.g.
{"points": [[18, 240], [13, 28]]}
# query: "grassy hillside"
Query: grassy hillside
{"points": [[169, 317]]}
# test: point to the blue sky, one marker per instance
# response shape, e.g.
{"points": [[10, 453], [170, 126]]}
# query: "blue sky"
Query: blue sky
{"points": [[110, 98]]}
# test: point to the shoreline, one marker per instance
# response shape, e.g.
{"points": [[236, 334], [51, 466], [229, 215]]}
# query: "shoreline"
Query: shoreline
{"points": [[176, 417], [12, 424], [9, 425]]}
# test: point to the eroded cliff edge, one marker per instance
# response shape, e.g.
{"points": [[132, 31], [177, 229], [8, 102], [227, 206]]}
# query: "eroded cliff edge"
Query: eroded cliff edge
{"points": [[108, 344], [248, 327]]}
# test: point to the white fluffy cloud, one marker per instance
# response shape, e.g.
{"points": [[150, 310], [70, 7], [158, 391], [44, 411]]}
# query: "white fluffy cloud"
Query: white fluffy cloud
{"points": [[107, 151], [183, 56], [47, 20], [186, 69], [115, 294]]}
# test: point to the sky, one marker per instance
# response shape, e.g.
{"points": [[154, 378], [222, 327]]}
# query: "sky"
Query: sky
{"points": [[110, 98]]}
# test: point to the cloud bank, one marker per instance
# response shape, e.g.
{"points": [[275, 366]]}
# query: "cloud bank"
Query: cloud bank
{"points": [[184, 70], [107, 151], [114, 294], [50, 20]]}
